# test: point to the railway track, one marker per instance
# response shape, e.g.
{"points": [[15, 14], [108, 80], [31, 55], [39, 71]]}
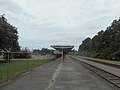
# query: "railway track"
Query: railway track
{"points": [[115, 80]]}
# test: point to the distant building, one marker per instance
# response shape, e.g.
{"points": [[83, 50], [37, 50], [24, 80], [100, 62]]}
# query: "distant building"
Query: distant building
{"points": [[57, 52]]}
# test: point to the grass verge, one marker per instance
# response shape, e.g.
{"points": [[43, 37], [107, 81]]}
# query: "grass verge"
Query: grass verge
{"points": [[101, 60], [15, 67]]}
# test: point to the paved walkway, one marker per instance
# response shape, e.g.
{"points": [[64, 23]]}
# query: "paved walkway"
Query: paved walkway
{"points": [[36, 80], [70, 75], [113, 70], [74, 76]]}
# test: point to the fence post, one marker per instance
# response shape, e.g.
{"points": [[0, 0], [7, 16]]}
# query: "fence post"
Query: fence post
{"points": [[50, 57], [38, 58], [7, 65], [8, 60], [27, 61]]}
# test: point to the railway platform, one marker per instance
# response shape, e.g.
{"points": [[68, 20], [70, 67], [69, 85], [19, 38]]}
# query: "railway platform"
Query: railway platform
{"points": [[59, 75]]}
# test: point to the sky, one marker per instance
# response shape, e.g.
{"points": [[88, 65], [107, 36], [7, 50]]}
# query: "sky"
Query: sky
{"points": [[42, 23]]}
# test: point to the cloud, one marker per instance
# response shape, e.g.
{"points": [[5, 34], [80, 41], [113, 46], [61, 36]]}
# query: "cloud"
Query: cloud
{"points": [[44, 22], [9, 6]]}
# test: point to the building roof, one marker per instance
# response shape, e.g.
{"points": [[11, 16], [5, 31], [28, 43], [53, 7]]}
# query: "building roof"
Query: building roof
{"points": [[64, 48]]}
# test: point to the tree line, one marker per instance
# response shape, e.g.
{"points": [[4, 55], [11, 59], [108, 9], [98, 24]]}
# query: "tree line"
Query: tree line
{"points": [[43, 51], [105, 45]]}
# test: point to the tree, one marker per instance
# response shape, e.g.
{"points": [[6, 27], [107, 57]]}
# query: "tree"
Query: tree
{"points": [[46, 51], [8, 36], [24, 53], [85, 47], [106, 44]]}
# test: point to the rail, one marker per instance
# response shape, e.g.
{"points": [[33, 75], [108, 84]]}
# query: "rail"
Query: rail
{"points": [[115, 80]]}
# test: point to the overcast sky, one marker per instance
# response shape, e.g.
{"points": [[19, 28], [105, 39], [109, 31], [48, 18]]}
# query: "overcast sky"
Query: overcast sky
{"points": [[42, 23]]}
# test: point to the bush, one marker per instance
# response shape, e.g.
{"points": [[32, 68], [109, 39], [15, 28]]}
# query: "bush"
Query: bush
{"points": [[22, 55]]}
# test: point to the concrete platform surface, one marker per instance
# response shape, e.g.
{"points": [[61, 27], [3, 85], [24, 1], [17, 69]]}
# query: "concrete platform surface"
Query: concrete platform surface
{"points": [[36, 80], [74, 76], [57, 75]]}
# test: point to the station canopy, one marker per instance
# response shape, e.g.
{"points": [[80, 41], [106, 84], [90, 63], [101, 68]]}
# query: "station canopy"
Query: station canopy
{"points": [[62, 48]]}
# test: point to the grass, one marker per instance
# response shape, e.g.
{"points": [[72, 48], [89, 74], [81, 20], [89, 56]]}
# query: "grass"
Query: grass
{"points": [[101, 60], [16, 67]]}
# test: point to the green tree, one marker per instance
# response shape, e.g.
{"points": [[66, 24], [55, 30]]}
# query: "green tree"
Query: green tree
{"points": [[106, 44], [85, 47], [8, 36]]}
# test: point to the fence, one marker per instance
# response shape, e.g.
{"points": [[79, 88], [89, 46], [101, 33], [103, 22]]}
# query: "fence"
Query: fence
{"points": [[11, 66]]}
